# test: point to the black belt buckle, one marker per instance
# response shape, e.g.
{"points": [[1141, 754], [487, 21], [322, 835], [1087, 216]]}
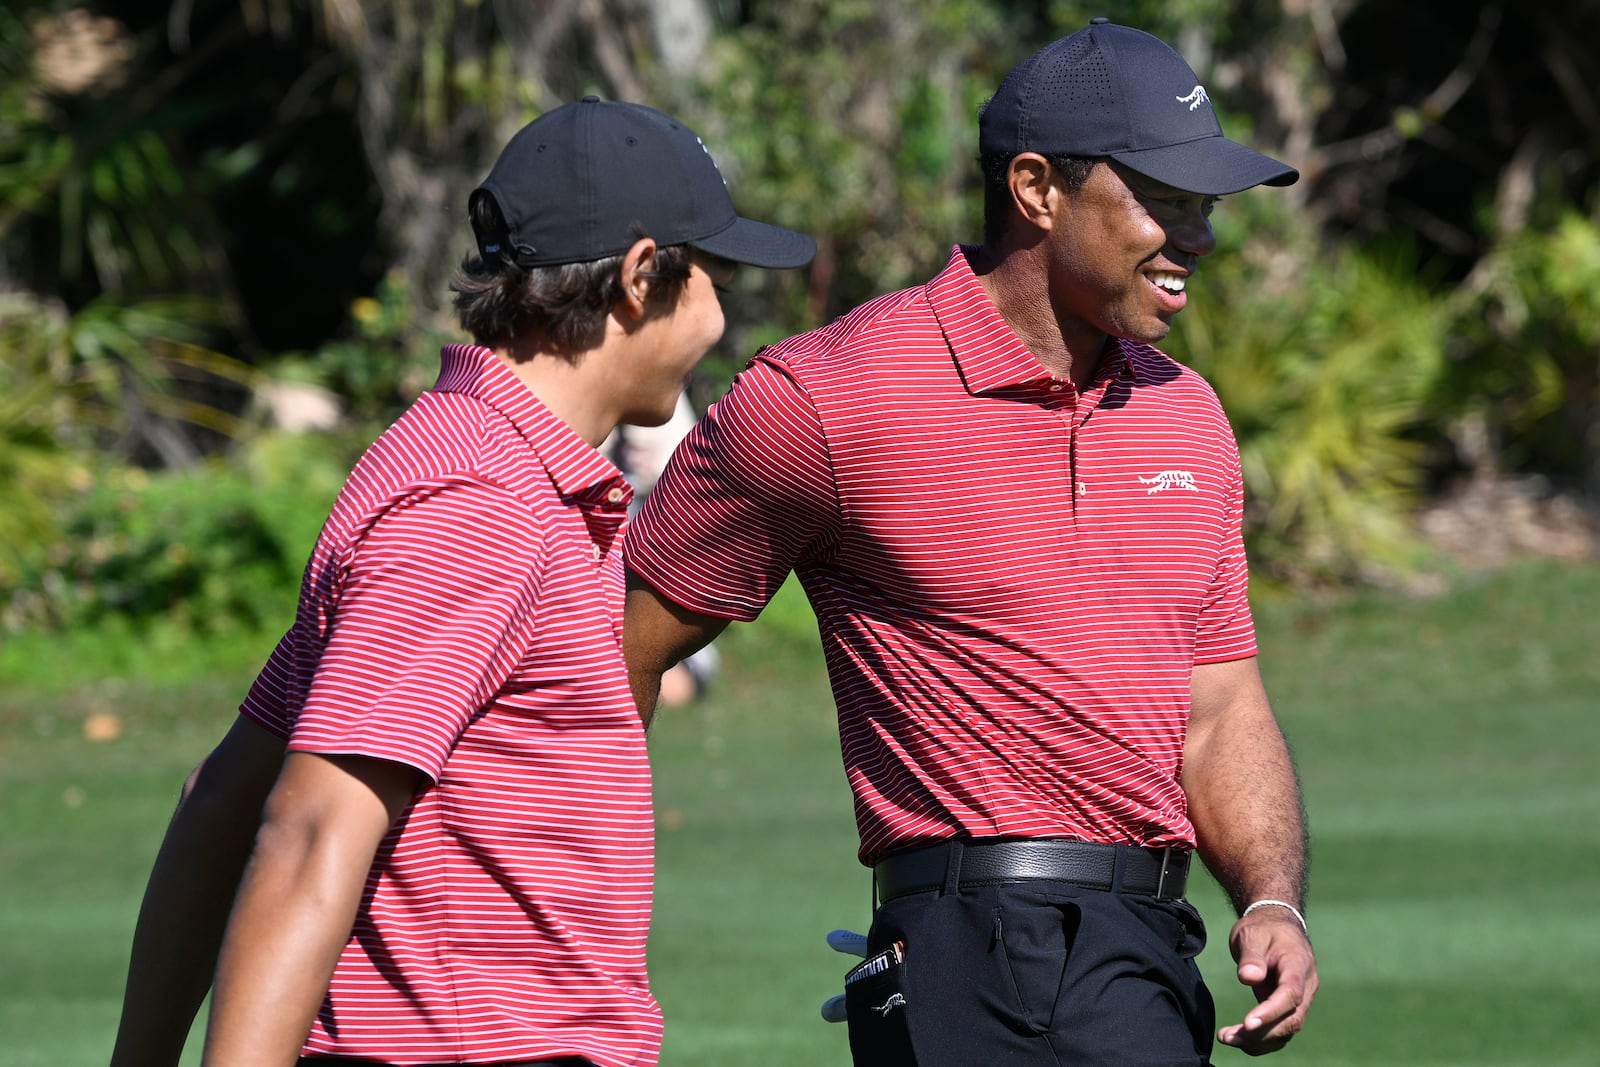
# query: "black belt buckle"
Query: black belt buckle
{"points": [[1176, 868]]}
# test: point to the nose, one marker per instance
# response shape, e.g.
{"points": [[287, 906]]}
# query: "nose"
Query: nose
{"points": [[1192, 233]]}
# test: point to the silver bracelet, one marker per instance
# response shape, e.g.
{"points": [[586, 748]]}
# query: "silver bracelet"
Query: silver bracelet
{"points": [[1301, 919]]}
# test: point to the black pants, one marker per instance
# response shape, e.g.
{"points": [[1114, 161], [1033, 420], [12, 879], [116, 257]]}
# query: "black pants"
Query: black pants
{"points": [[1034, 974]]}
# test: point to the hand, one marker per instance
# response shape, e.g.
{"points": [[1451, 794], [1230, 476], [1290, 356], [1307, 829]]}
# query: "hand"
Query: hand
{"points": [[851, 944], [1275, 960]]}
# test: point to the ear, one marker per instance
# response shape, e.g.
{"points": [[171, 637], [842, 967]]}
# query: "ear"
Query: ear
{"points": [[1035, 192], [636, 261]]}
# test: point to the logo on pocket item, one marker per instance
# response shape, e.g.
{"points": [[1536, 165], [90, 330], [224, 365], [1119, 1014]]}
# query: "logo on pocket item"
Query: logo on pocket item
{"points": [[895, 1001]]}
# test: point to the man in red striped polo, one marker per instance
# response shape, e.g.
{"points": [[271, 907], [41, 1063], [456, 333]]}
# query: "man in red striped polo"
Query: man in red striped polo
{"points": [[1019, 525], [454, 856]]}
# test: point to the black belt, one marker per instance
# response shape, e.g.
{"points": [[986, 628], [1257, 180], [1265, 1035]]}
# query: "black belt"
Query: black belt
{"points": [[1162, 873]]}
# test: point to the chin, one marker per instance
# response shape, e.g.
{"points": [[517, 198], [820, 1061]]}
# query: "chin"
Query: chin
{"points": [[1154, 332], [650, 416]]}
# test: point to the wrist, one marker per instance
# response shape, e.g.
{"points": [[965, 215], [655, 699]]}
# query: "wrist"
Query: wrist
{"points": [[1285, 905]]}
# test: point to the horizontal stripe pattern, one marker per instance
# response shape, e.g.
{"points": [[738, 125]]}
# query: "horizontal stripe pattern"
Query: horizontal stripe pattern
{"points": [[461, 614], [1012, 582]]}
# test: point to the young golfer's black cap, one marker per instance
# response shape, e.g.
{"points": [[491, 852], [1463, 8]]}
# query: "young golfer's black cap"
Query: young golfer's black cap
{"points": [[1119, 92], [584, 181]]}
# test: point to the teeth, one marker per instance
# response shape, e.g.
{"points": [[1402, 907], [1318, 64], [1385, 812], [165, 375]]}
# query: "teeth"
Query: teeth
{"points": [[1171, 282]]}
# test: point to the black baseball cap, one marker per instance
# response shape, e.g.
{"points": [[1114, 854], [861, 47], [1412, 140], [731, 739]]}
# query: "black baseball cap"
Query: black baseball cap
{"points": [[1118, 92], [581, 182]]}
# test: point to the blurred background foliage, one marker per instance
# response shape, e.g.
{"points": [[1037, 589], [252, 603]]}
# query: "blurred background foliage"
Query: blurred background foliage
{"points": [[227, 229]]}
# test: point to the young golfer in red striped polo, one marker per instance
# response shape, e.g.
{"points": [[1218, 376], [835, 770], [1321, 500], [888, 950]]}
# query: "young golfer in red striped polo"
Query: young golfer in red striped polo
{"points": [[1019, 525], [454, 856]]}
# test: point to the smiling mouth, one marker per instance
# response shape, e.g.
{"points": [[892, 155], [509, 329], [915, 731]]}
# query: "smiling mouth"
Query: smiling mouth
{"points": [[1169, 283]]}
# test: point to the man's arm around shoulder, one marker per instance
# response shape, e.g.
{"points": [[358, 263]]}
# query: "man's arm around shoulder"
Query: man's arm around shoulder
{"points": [[656, 633], [1244, 801]]}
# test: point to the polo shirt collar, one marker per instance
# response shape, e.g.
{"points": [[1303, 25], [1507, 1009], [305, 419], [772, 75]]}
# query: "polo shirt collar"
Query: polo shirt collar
{"points": [[576, 468], [987, 351]]}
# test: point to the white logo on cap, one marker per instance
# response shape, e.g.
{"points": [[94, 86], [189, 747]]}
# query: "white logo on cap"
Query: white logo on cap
{"points": [[1194, 99], [709, 156]]}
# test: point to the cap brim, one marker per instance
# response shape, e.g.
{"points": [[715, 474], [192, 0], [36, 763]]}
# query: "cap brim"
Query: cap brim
{"points": [[759, 245], [1212, 166]]}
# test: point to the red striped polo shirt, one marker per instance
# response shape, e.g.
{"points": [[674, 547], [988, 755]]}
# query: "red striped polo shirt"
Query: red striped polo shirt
{"points": [[1013, 582], [461, 614]]}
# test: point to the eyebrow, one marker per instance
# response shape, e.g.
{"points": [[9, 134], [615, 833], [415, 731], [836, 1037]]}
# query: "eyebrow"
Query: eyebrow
{"points": [[1155, 188], [1148, 186]]}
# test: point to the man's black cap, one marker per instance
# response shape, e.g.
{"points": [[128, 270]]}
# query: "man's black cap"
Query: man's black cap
{"points": [[1119, 92], [584, 181]]}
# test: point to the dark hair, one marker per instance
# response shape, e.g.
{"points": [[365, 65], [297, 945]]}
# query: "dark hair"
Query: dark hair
{"points": [[565, 307], [1074, 171]]}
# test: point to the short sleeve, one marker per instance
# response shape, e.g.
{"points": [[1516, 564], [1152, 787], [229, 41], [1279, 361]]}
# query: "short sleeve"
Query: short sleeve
{"points": [[437, 608], [746, 496], [1225, 629], [268, 702]]}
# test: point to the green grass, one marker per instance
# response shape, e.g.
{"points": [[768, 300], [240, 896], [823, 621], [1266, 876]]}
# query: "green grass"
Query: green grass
{"points": [[1446, 748], [81, 823]]}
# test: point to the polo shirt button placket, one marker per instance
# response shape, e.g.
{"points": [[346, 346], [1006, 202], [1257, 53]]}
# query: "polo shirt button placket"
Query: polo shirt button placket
{"points": [[1062, 396]]}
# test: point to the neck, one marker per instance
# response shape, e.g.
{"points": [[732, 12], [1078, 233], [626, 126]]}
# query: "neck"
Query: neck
{"points": [[566, 386], [1016, 279]]}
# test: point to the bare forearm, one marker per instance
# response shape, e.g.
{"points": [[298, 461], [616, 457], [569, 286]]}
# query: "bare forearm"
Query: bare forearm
{"points": [[294, 917], [298, 903], [1250, 824], [1244, 801], [175, 944], [1244, 796], [188, 897]]}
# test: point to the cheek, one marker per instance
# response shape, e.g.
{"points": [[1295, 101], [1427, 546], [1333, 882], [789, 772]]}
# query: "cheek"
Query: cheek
{"points": [[1156, 232], [712, 321]]}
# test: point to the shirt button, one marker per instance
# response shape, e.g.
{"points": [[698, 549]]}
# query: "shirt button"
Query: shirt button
{"points": [[597, 552], [1056, 388], [614, 496]]}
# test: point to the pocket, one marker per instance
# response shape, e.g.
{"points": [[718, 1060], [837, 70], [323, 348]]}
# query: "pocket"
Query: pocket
{"points": [[1178, 923], [1034, 934], [878, 1002]]}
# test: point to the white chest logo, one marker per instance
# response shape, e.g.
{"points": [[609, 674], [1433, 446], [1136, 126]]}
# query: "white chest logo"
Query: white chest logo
{"points": [[1169, 480], [1195, 98]]}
